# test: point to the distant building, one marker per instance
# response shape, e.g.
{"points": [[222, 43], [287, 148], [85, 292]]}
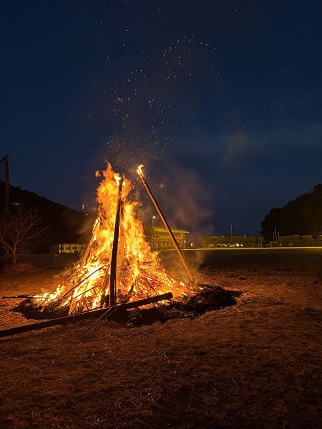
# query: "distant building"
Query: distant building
{"points": [[160, 238], [68, 248], [233, 241]]}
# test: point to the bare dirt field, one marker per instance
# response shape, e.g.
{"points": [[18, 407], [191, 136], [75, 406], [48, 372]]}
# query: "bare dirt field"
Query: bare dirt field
{"points": [[253, 365]]}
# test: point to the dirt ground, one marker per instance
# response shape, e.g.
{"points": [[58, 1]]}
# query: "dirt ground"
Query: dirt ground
{"points": [[253, 365]]}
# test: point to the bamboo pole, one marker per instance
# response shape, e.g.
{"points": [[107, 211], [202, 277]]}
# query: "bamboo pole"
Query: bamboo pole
{"points": [[89, 245], [156, 205], [17, 296], [82, 281], [113, 274]]}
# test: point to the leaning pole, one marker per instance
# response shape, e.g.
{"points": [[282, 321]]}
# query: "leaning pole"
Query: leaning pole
{"points": [[156, 205]]}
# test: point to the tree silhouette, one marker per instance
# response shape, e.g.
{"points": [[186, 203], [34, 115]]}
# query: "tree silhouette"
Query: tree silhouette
{"points": [[65, 225], [20, 230], [302, 216]]}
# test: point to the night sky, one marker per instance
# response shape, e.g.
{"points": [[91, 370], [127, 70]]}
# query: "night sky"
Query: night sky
{"points": [[221, 101]]}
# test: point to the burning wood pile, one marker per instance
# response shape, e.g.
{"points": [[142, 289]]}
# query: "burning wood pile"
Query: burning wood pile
{"points": [[118, 270], [118, 265]]}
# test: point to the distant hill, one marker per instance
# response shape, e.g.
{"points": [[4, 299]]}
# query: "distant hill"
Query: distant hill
{"points": [[65, 225], [302, 216]]}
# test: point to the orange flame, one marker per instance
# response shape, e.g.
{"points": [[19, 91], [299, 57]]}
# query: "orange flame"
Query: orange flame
{"points": [[139, 170], [139, 272]]}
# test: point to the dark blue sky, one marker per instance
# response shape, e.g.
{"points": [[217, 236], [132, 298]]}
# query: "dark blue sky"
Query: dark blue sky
{"points": [[221, 100]]}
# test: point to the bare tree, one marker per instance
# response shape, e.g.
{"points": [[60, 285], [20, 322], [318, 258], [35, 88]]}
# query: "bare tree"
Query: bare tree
{"points": [[20, 230]]}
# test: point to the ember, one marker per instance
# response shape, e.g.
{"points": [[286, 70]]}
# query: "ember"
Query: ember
{"points": [[118, 265]]}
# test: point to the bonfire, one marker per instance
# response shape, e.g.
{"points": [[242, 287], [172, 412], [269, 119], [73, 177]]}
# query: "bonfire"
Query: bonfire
{"points": [[118, 265], [119, 271]]}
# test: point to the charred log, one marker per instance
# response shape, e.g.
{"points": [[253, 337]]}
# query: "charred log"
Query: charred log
{"points": [[210, 298]]}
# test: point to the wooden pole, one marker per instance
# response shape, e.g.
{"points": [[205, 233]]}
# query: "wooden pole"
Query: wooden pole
{"points": [[7, 185], [140, 173], [113, 275], [6, 192], [94, 314], [89, 245]]}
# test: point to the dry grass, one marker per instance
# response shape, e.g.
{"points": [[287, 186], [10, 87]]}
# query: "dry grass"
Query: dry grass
{"points": [[254, 365], [22, 267]]}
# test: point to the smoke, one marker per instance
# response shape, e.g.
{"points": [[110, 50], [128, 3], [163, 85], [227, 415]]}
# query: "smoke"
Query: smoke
{"points": [[183, 198]]}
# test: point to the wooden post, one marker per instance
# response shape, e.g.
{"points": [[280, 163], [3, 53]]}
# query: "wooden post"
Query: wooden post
{"points": [[113, 275], [6, 192], [89, 245]]}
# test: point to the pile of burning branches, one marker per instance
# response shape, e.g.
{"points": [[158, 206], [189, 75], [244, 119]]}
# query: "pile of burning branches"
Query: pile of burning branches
{"points": [[118, 270], [118, 265]]}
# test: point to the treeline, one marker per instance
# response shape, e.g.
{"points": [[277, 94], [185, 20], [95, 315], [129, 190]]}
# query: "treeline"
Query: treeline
{"points": [[63, 224], [301, 217]]}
